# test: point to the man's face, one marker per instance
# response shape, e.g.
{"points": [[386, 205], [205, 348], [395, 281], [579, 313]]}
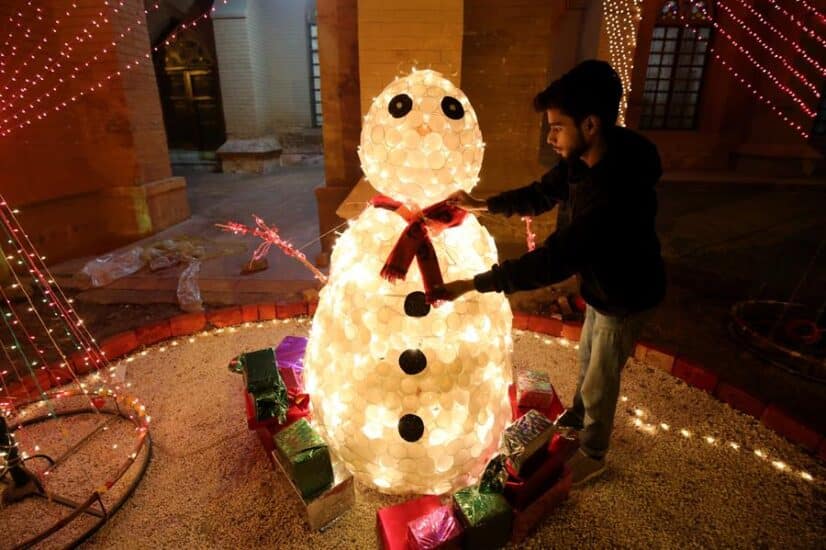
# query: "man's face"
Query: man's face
{"points": [[564, 135]]}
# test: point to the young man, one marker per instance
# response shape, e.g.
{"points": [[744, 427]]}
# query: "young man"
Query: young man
{"points": [[606, 175]]}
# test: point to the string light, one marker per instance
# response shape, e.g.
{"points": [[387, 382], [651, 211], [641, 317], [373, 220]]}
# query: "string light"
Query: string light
{"points": [[622, 18], [783, 60], [65, 52], [797, 21], [800, 50], [19, 120], [751, 88]]}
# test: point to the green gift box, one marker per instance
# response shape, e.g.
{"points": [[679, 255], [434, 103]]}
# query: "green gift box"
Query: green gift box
{"points": [[305, 456], [260, 370], [486, 517]]}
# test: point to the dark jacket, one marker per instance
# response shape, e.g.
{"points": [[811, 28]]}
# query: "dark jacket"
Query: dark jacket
{"points": [[610, 242]]}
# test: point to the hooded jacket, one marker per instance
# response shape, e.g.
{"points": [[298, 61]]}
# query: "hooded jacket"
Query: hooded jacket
{"points": [[611, 240]]}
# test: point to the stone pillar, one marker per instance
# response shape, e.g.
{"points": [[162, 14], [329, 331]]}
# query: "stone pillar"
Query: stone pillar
{"points": [[251, 146], [95, 174]]}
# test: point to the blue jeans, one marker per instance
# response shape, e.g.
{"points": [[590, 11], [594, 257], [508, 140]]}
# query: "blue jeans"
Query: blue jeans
{"points": [[604, 346]]}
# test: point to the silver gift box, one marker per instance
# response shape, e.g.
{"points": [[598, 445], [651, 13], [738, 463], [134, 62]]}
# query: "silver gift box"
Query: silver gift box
{"points": [[323, 508]]}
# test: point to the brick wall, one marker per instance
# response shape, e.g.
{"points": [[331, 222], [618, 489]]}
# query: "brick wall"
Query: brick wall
{"points": [[63, 171], [426, 34], [240, 83], [285, 49]]}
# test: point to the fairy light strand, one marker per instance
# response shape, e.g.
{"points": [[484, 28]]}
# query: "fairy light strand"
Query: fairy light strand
{"points": [[801, 52], [799, 22], [753, 89], [18, 120]]}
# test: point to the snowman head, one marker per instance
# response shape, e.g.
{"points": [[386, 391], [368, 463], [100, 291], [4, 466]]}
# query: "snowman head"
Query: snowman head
{"points": [[421, 140]]}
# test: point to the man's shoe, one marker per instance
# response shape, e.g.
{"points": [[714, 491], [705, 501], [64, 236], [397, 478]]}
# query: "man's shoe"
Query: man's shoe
{"points": [[584, 468], [569, 421]]}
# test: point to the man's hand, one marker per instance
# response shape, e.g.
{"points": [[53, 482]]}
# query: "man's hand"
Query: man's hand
{"points": [[462, 199], [452, 290]]}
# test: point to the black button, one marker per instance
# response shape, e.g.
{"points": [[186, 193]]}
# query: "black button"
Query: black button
{"points": [[415, 305], [412, 361], [452, 108], [400, 105], [411, 427]]}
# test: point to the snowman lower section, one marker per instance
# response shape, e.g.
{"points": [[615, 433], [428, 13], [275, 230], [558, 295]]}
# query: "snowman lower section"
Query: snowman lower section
{"points": [[411, 403]]}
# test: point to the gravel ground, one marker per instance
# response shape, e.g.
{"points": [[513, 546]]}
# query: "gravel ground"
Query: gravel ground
{"points": [[674, 480]]}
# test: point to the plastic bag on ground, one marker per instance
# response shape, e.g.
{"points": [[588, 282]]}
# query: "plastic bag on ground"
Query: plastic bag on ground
{"points": [[189, 293], [105, 269]]}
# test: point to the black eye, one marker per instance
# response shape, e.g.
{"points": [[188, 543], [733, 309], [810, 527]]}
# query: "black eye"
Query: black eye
{"points": [[452, 108], [400, 105]]}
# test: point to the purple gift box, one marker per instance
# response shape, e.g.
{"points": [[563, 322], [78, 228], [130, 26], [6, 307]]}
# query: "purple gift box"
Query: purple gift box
{"points": [[289, 355], [435, 530]]}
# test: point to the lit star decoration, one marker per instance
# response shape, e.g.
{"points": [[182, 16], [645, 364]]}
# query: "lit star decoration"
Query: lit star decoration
{"points": [[269, 234]]}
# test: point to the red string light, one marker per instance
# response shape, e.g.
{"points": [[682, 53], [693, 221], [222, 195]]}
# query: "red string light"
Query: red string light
{"points": [[784, 60], [270, 236], [18, 120], [751, 88], [800, 50], [821, 17], [797, 21], [769, 74], [65, 51]]}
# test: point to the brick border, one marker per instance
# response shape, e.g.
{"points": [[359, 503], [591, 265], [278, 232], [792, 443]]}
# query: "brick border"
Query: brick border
{"points": [[694, 374], [771, 415]]}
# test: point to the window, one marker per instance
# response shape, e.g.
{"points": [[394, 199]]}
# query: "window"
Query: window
{"points": [[676, 65], [315, 75]]}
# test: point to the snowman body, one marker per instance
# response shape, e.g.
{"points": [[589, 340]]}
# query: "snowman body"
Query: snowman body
{"points": [[413, 398]]}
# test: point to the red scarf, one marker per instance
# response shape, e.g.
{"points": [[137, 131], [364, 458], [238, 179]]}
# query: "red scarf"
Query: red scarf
{"points": [[415, 242]]}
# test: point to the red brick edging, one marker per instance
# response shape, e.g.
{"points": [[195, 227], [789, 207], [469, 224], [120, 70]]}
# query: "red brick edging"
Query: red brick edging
{"points": [[771, 415]]}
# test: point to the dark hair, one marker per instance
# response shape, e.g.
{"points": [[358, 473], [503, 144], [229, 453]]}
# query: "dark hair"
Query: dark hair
{"points": [[591, 88]]}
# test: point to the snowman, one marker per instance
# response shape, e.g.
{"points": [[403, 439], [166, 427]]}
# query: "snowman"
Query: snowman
{"points": [[411, 392]]}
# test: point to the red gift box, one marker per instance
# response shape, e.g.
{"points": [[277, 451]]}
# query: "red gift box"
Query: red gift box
{"points": [[552, 412], [534, 389], [522, 491], [391, 522], [299, 408], [525, 521]]}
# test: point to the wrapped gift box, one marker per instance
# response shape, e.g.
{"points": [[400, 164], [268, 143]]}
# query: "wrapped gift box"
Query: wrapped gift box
{"points": [[289, 356], [392, 521], [259, 370], [305, 457], [522, 490], [438, 530], [526, 437], [534, 389], [321, 509], [487, 518], [525, 521]]}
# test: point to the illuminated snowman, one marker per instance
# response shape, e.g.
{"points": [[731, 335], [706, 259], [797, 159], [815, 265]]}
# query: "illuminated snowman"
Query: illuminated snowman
{"points": [[412, 397]]}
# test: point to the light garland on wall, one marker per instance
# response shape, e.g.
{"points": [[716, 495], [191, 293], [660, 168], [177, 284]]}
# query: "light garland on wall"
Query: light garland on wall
{"points": [[9, 50], [622, 19], [749, 86], [796, 46], [64, 51], [821, 17], [785, 61], [18, 121], [796, 99], [799, 22]]}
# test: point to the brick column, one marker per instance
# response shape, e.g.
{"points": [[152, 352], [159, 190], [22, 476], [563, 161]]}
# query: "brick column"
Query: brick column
{"points": [[339, 58], [96, 174]]}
